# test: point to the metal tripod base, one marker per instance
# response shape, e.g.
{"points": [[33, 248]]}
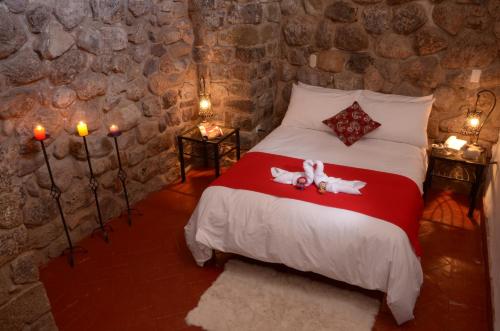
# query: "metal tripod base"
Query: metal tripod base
{"points": [[103, 231], [70, 251], [129, 214]]}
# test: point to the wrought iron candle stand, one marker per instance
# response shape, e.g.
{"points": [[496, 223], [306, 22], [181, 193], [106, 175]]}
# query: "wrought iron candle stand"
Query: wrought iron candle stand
{"points": [[55, 193], [122, 175], [94, 186]]}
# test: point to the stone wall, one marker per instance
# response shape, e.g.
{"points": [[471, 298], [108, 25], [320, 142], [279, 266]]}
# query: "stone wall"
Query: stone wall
{"points": [[136, 63], [395, 46], [102, 61], [236, 45]]}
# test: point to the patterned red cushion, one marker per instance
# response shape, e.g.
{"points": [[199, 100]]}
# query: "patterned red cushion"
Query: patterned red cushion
{"points": [[351, 124]]}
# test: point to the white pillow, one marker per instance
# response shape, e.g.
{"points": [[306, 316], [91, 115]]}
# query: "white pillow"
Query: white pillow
{"points": [[320, 89], [402, 118], [308, 108], [367, 93], [395, 97], [404, 122]]}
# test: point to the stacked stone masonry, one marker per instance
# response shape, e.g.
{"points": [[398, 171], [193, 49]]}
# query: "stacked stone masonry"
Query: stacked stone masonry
{"points": [[395, 46], [136, 63], [236, 47], [101, 61]]}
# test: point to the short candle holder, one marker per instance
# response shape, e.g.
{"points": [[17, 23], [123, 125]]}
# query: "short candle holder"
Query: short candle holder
{"points": [[55, 193], [122, 175], [94, 186]]}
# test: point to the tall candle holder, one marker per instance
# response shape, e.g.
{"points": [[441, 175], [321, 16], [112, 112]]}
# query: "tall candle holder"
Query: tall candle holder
{"points": [[94, 185], [55, 193], [114, 133]]}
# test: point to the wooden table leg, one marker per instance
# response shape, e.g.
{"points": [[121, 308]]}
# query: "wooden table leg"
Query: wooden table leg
{"points": [[181, 158], [216, 160], [428, 176], [475, 190], [238, 144], [205, 154]]}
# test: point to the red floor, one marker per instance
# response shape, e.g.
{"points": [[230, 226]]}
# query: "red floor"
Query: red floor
{"points": [[145, 279]]}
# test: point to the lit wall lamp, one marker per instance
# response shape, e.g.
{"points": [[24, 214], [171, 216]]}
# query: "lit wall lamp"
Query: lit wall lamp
{"points": [[477, 117], [205, 109]]}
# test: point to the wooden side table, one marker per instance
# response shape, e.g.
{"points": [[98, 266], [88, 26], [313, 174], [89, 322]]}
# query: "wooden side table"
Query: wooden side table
{"points": [[444, 164], [220, 146]]}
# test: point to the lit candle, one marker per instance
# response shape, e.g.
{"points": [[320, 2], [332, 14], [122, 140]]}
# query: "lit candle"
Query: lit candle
{"points": [[114, 130], [39, 132], [82, 129]]}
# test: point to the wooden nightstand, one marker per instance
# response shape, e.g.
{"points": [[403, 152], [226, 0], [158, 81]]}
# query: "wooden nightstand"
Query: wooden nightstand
{"points": [[219, 146], [453, 166]]}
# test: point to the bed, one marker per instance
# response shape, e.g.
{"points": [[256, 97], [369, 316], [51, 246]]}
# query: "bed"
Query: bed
{"points": [[341, 244]]}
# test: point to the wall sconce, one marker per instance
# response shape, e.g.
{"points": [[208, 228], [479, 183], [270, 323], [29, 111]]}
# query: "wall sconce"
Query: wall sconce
{"points": [[474, 121], [205, 106]]}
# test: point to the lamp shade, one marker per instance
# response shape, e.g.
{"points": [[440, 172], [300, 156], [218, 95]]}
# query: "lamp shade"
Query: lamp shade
{"points": [[472, 123], [205, 105], [478, 116]]}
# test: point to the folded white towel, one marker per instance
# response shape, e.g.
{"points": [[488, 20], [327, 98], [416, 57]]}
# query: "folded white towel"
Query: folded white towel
{"points": [[336, 185], [308, 166], [286, 177]]}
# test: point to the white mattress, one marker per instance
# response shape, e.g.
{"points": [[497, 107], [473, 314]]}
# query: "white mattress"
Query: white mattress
{"points": [[340, 244]]}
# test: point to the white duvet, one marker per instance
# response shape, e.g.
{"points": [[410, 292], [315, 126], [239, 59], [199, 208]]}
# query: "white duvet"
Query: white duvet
{"points": [[340, 244]]}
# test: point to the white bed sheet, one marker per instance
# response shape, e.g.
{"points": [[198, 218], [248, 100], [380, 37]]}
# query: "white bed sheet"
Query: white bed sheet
{"points": [[340, 244]]}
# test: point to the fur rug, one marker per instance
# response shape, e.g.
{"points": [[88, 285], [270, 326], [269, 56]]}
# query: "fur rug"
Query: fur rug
{"points": [[250, 297]]}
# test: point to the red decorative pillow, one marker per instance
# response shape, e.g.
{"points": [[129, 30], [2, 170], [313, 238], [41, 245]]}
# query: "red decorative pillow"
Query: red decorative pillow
{"points": [[351, 124]]}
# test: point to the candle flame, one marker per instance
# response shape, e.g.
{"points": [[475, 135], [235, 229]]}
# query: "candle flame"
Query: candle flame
{"points": [[39, 132], [82, 129]]}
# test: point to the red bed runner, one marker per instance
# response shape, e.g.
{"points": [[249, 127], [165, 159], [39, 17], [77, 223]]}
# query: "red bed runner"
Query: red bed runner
{"points": [[390, 197]]}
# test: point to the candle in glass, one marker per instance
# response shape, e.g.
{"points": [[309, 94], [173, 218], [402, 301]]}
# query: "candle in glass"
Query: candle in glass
{"points": [[82, 129], [114, 131], [39, 132]]}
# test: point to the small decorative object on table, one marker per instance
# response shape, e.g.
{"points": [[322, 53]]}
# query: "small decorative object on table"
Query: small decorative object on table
{"points": [[210, 131], [40, 135], [454, 144], [472, 152], [454, 166], [114, 132], [94, 185], [221, 146]]}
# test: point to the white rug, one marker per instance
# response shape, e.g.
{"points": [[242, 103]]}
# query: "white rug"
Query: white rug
{"points": [[250, 297]]}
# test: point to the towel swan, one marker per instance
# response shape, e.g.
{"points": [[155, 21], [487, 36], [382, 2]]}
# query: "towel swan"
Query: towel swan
{"points": [[314, 173], [333, 184], [287, 177]]}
